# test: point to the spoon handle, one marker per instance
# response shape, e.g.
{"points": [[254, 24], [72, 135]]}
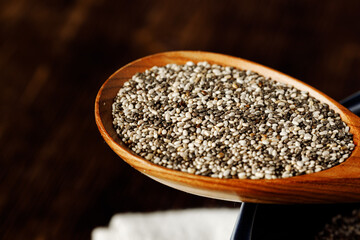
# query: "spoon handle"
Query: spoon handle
{"points": [[352, 103]]}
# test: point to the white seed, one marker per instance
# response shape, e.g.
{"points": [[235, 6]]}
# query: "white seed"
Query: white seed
{"points": [[307, 136]]}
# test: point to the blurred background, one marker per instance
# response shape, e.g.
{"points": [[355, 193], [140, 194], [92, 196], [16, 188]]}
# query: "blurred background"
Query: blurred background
{"points": [[58, 178]]}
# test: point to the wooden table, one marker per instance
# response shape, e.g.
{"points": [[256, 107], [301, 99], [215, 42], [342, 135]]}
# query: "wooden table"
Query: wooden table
{"points": [[59, 179]]}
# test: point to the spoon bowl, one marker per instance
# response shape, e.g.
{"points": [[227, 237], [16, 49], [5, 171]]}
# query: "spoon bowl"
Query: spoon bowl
{"points": [[335, 185]]}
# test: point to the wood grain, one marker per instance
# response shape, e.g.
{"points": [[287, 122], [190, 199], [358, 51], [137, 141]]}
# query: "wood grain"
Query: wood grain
{"points": [[338, 184]]}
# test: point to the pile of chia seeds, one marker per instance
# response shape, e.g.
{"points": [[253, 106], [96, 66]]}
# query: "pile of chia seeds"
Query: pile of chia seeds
{"points": [[224, 122], [342, 228]]}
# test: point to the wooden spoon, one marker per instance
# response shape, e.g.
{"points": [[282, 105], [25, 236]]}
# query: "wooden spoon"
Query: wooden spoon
{"points": [[335, 185]]}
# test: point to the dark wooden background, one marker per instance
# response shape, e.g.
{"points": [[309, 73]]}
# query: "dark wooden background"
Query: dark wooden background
{"points": [[58, 179]]}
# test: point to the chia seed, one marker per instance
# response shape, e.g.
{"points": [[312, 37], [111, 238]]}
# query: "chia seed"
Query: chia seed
{"points": [[342, 227], [223, 122]]}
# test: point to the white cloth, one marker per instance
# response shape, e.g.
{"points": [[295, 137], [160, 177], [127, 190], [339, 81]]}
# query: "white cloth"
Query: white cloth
{"points": [[199, 224]]}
